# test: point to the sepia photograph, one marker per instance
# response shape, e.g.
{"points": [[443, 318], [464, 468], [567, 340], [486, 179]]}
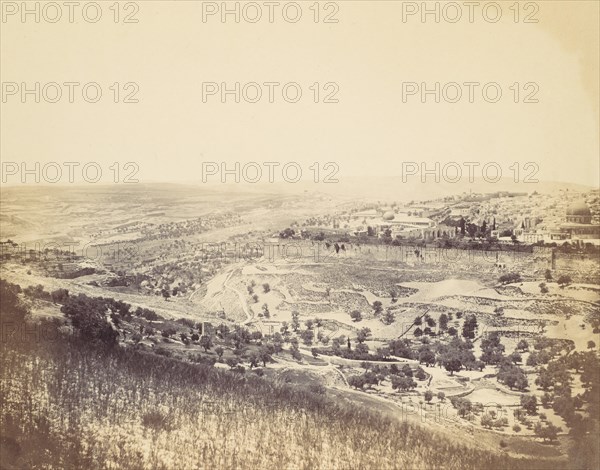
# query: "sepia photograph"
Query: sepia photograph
{"points": [[300, 235]]}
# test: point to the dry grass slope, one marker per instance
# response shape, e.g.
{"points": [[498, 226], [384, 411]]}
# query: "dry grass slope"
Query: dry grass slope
{"points": [[69, 405]]}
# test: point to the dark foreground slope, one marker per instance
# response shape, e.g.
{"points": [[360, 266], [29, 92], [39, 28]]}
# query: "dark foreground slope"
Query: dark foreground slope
{"points": [[67, 404]]}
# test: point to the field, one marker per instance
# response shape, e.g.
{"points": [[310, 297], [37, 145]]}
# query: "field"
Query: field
{"points": [[67, 406], [204, 338]]}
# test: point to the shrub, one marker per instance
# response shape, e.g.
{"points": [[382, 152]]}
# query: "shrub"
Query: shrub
{"points": [[509, 278], [157, 421]]}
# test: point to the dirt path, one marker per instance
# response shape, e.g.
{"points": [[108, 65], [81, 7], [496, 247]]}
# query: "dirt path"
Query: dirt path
{"points": [[331, 368], [243, 303], [169, 309]]}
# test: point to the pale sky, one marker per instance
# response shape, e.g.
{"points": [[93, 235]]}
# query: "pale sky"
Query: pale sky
{"points": [[369, 54]]}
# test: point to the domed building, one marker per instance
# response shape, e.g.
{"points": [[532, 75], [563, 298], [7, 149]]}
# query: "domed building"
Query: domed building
{"points": [[402, 225], [578, 225], [579, 213]]}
